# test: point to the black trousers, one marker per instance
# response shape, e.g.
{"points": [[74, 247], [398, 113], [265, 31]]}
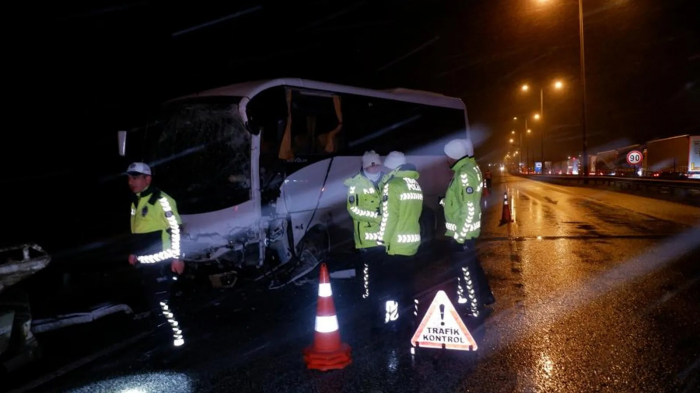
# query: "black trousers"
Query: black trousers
{"points": [[388, 286], [472, 285], [157, 281]]}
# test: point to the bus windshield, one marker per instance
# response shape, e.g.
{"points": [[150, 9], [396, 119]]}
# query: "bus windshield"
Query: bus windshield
{"points": [[199, 150]]}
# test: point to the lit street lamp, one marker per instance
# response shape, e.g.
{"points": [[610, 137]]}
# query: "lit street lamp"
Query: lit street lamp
{"points": [[557, 85], [582, 59], [528, 131]]}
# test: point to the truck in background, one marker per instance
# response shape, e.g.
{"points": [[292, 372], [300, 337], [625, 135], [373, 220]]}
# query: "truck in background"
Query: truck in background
{"points": [[671, 157], [694, 157], [614, 162]]}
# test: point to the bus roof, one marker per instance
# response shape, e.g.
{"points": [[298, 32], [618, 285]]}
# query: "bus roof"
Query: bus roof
{"points": [[251, 89]]}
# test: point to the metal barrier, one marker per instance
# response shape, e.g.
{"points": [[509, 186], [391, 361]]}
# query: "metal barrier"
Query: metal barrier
{"points": [[686, 191]]}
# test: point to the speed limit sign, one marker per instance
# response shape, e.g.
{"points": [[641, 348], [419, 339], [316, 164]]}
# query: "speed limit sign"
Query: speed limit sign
{"points": [[634, 157]]}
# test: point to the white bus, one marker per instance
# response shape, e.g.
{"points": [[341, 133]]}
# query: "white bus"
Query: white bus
{"points": [[257, 168]]}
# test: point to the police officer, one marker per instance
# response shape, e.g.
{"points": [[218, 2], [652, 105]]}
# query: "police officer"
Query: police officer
{"points": [[399, 233], [363, 202], [155, 225], [487, 176], [463, 223]]}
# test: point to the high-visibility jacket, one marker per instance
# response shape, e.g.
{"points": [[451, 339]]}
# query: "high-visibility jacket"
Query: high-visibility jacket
{"points": [[462, 201], [152, 210], [363, 202], [402, 205]]}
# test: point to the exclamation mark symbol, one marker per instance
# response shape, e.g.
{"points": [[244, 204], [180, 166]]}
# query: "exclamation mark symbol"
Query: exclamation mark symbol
{"points": [[442, 315]]}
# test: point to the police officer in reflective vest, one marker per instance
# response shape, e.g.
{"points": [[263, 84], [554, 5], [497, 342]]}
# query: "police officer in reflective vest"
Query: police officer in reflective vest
{"points": [[463, 222], [399, 233], [363, 202], [155, 225], [487, 176]]}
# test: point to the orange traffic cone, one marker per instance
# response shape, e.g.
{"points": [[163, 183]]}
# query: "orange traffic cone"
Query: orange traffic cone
{"points": [[327, 352], [505, 217], [486, 189]]}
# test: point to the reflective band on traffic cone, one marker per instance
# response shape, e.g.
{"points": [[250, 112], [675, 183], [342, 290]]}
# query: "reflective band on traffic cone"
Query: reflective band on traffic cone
{"points": [[327, 352], [505, 217]]}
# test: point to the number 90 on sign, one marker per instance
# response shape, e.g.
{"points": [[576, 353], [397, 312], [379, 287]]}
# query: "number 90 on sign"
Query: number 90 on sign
{"points": [[634, 157]]}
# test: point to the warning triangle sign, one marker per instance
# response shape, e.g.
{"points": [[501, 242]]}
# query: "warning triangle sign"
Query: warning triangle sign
{"points": [[442, 327]]}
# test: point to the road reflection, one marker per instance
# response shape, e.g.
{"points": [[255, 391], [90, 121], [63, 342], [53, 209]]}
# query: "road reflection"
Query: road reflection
{"points": [[141, 383]]}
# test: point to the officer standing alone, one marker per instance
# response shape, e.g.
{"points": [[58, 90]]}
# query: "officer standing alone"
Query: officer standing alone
{"points": [[155, 227], [462, 205]]}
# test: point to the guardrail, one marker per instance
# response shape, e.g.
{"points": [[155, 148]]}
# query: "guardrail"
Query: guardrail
{"points": [[685, 191]]}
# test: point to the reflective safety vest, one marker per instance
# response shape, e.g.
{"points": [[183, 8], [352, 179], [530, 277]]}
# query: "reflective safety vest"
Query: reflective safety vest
{"points": [[462, 201], [152, 210], [402, 205], [363, 202]]}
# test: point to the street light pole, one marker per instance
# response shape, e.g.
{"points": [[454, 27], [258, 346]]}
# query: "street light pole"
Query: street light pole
{"points": [[542, 125], [583, 89], [521, 141], [527, 155]]}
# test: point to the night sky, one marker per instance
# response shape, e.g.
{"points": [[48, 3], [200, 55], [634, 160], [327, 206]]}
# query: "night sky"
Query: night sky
{"points": [[91, 69]]}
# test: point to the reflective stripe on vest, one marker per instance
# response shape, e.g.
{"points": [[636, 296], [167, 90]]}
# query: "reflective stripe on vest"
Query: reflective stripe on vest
{"points": [[409, 238], [174, 251], [363, 213], [372, 236], [411, 195], [385, 211]]}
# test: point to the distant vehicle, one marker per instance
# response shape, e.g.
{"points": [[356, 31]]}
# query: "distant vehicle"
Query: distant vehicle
{"points": [[257, 168], [670, 175], [670, 157]]}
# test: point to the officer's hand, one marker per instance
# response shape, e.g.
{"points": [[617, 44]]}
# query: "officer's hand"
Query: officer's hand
{"points": [[177, 266], [133, 260]]}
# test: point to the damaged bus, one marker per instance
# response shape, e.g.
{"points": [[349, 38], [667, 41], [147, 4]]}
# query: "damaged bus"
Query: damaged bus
{"points": [[257, 168]]}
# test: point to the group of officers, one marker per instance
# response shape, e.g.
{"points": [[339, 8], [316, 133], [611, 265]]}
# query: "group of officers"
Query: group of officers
{"points": [[385, 202]]}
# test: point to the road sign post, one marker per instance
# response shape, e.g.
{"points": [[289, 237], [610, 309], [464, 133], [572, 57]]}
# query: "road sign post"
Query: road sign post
{"points": [[538, 168], [635, 158]]}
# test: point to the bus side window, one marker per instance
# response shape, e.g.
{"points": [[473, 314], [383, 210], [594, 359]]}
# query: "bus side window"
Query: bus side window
{"points": [[384, 125], [316, 127], [329, 140]]}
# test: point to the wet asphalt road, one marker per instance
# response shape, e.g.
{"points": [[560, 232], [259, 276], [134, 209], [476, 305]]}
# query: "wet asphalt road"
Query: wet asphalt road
{"points": [[596, 291]]}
